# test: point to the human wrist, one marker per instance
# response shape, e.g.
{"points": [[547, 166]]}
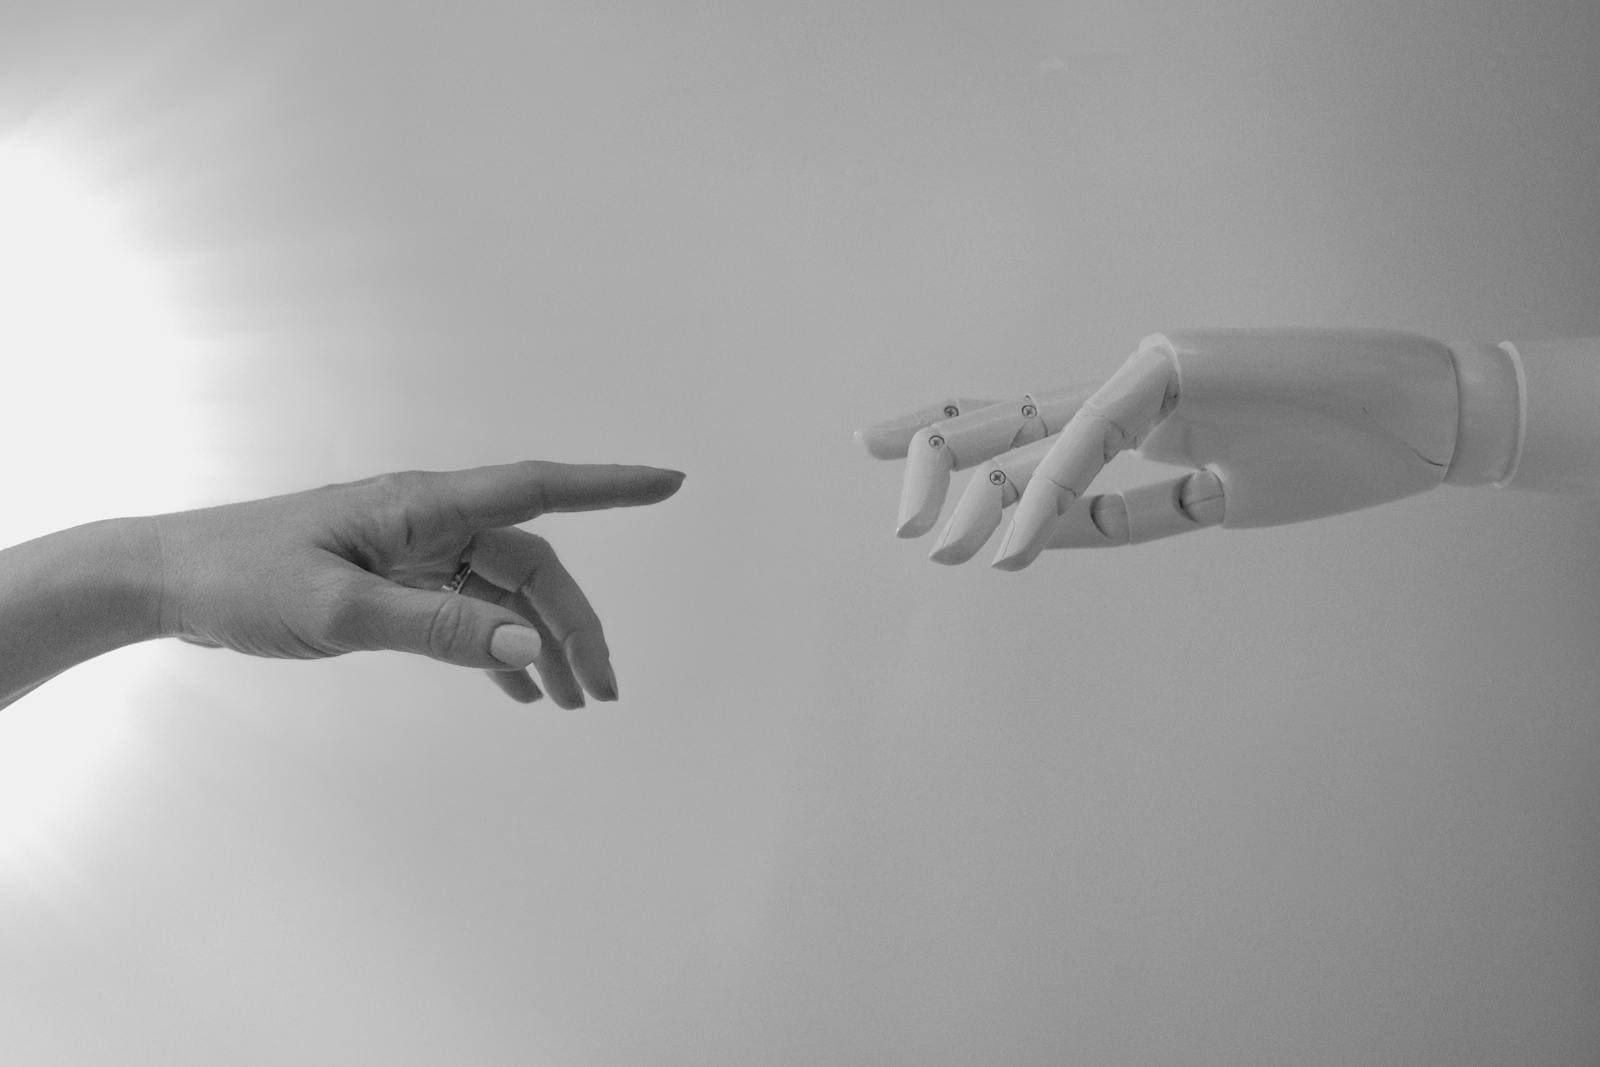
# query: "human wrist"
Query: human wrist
{"points": [[129, 579], [75, 594]]}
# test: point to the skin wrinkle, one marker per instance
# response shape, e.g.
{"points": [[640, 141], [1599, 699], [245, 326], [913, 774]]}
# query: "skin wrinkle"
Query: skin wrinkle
{"points": [[444, 626]]}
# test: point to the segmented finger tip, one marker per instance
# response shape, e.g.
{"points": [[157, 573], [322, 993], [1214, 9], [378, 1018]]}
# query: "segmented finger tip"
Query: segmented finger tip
{"points": [[915, 525], [880, 445], [977, 515], [918, 513], [960, 541], [1016, 550]]}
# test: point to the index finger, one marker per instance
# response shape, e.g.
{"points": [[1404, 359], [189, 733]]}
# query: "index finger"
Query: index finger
{"points": [[891, 438], [513, 493]]}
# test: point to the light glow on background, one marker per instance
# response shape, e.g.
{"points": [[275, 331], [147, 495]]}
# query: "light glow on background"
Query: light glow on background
{"points": [[1250, 796], [94, 369]]}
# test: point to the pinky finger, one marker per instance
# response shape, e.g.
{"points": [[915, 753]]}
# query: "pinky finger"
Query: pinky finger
{"points": [[891, 438]]}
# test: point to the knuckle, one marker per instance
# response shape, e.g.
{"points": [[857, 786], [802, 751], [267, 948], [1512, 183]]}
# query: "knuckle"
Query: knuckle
{"points": [[398, 487], [445, 627], [538, 491], [542, 565], [393, 500]]}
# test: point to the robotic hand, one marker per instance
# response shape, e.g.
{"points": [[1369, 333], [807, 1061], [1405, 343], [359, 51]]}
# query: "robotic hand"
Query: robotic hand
{"points": [[1276, 426]]}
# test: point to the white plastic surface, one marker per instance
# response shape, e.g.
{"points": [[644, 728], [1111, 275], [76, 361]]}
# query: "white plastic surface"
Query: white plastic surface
{"points": [[1284, 424], [1489, 425], [1561, 416], [1154, 511], [1144, 513], [1298, 424]]}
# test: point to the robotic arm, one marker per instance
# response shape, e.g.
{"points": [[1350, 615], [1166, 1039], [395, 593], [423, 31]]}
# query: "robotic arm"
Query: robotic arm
{"points": [[1276, 426]]}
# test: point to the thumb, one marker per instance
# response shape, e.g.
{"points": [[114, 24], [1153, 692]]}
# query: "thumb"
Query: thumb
{"points": [[444, 626]]}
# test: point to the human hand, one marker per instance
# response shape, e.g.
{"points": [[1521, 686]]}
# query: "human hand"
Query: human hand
{"points": [[1276, 426], [361, 566]]}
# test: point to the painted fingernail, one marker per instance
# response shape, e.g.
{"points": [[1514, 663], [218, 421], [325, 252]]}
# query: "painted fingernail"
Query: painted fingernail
{"points": [[515, 646]]}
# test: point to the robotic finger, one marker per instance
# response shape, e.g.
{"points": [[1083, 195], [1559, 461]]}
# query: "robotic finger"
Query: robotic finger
{"points": [[888, 439], [1116, 417], [958, 443], [1184, 504], [994, 487]]}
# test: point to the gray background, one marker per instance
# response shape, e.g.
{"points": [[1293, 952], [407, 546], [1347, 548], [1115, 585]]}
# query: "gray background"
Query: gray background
{"points": [[1319, 794]]}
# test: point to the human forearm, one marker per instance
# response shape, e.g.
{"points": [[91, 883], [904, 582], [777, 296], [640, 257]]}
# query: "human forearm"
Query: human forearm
{"points": [[73, 595]]}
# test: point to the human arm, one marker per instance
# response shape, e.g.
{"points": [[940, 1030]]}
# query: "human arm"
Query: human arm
{"points": [[342, 568], [72, 595]]}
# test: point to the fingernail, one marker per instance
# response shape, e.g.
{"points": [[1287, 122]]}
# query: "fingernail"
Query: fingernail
{"points": [[515, 646], [608, 685]]}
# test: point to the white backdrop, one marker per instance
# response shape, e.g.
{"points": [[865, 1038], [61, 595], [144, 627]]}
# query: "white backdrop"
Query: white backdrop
{"points": [[1328, 793]]}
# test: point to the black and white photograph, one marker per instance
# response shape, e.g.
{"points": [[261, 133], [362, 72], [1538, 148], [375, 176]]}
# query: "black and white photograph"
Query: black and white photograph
{"points": [[662, 533]]}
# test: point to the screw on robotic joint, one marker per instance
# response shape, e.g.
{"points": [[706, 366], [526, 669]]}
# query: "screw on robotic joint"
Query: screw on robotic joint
{"points": [[951, 411], [997, 477], [935, 441], [1029, 411]]}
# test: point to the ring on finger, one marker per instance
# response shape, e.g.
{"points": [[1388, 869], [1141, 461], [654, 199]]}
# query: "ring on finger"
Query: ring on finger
{"points": [[455, 584]]}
